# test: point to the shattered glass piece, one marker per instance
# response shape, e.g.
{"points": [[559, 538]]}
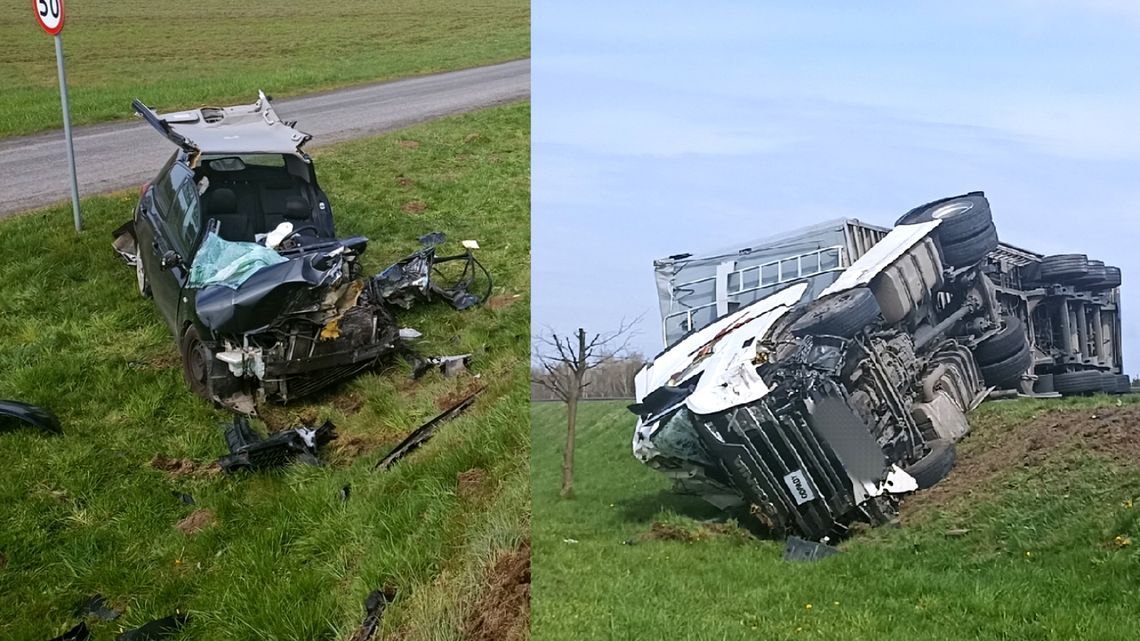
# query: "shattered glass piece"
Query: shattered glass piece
{"points": [[798, 549], [157, 629], [229, 263], [408, 333]]}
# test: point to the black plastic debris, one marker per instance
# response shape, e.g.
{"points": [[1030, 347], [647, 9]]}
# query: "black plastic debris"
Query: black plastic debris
{"points": [[78, 633], [416, 277], [423, 433], [157, 629], [797, 549], [15, 413], [96, 607], [248, 450], [374, 606], [185, 498], [344, 493]]}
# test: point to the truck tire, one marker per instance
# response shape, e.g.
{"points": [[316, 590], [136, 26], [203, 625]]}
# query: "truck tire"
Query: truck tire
{"points": [[1109, 383], [970, 251], [1002, 345], [1061, 267], [962, 217], [1044, 384], [1096, 274], [1123, 384], [935, 466], [1084, 382], [1111, 279], [844, 314], [1006, 372]]}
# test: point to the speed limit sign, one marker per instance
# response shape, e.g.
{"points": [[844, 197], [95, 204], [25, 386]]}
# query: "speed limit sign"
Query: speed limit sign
{"points": [[50, 15]]}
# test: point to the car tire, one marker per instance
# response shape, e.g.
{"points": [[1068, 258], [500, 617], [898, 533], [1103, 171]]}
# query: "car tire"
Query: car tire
{"points": [[1006, 372], [962, 217], [1009, 341], [1084, 382], [935, 466], [140, 276], [844, 314], [970, 251], [196, 361]]}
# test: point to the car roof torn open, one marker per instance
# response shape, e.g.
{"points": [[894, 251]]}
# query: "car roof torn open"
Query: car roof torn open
{"points": [[240, 129]]}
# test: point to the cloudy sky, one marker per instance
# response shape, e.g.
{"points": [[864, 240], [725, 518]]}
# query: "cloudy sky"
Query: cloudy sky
{"points": [[669, 127]]}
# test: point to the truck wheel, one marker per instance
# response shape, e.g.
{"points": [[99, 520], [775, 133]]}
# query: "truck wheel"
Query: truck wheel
{"points": [[196, 361], [1108, 383], [1110, 280], [1123, 384], [1044, 384], [1064, 267], [1084, 382], [1096, 274], [969, 251], [962, 217], [1006, 372], [1003, 344], [935, 466], [844, 314]]}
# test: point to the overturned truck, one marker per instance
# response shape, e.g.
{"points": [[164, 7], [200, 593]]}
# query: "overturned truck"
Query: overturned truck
{"points": [[813, 379]]}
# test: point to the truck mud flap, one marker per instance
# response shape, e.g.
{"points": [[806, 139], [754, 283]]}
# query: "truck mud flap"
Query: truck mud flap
{"points": [[781, 465]]}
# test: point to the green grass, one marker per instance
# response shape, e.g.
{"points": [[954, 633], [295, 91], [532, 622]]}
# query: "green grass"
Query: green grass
{"points": [[85, 514], [1038, 562], [175, 55]]}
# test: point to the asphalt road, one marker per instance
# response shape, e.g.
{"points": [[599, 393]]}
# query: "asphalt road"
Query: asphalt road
{"points": [[33, 169]]}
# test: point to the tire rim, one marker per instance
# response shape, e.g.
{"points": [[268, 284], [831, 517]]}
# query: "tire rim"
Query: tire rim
{"points": [[197, 367]]}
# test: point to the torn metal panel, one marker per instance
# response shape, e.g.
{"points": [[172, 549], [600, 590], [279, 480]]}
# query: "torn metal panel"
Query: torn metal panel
{"points": [[253, 128], [13, 413], [423, 433], [416, 277], [797, 549]]}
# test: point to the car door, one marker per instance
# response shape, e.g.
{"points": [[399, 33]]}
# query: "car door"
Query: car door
{"points": [[171, 222]]}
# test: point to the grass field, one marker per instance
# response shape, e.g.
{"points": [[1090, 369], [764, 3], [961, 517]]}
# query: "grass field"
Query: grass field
{"points": [[1045, 489], [285, 558], [176, 54]]}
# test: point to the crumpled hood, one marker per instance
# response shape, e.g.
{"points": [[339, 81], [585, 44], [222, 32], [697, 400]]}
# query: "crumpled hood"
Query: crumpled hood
{"points": [[264, 296]]}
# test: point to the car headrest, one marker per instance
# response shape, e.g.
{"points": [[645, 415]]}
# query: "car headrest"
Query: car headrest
{"points": [[222, 201], [297, 208]]}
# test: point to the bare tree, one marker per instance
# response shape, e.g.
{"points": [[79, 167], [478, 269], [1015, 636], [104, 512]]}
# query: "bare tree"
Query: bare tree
{"points": [[564, 362]]}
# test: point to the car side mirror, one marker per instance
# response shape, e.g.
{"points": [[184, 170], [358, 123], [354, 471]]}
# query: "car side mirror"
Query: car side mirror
{"points": [[170, 259]]}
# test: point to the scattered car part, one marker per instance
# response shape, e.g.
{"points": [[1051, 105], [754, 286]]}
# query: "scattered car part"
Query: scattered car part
{"points": [[96, 607], [374, 605], [248, 450], [235, 241], [449, 366], [814, 380], [156, 630], [77, 633], [415, 277], [344, 493], [797, 549], [185, 498], [424, 432], [11, 411]]}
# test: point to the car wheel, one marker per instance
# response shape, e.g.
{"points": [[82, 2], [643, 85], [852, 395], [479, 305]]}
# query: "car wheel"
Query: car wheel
{"points": [[935, 466], [1084, 382], [844, 314], [1006, 372], [1002, 345], [969, 251], [140, 275], [196, 361], [962, 217]]}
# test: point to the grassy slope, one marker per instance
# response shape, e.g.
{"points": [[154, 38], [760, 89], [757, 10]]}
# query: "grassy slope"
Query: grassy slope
{"points": [[176, 54], [1038, 562], [85, 514]]}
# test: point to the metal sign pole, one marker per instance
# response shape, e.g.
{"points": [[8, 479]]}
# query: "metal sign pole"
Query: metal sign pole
{"points": [[67, 130]]}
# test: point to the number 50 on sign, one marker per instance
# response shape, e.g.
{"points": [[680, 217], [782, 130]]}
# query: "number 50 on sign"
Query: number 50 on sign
{"points": [[50, 14]]}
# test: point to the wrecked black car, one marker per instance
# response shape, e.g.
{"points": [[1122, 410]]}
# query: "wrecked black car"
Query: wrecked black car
{"points": [[235, 242]]}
